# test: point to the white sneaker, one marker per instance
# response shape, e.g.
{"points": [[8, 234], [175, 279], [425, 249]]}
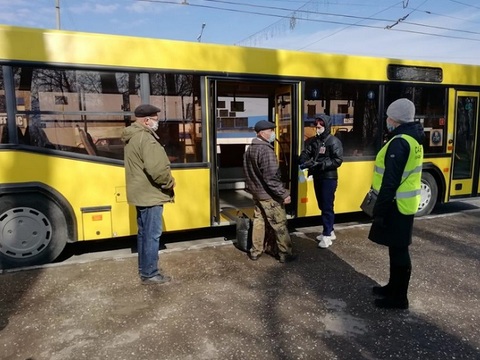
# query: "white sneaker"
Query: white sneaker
{"points": [[325, 242], [332, 236]]}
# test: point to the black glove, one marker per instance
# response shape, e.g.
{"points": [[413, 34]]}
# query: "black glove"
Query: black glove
{"points": [[307, 164]]}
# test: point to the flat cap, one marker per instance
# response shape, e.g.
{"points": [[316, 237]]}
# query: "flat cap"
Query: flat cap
{"points": [[263, 125], [145, 110]]}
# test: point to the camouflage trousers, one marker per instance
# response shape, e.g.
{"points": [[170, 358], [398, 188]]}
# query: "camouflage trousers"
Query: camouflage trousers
{"points": [[270, 213]]}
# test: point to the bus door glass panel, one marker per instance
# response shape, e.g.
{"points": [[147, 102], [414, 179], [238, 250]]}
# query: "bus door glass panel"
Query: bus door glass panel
{"points": [[283, 121], [211, 95], [465, 170]]}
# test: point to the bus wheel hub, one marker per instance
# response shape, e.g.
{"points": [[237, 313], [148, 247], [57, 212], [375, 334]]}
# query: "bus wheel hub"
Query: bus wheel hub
{"points": [[24, 232]]}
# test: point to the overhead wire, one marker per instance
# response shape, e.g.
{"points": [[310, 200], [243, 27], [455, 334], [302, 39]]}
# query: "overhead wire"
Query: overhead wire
{"points": [[186, 3], [340, 30], [462, 3]]}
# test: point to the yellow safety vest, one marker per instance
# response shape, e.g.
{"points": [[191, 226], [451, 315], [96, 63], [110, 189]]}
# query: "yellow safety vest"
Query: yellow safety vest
{"points": [[408, 193]]}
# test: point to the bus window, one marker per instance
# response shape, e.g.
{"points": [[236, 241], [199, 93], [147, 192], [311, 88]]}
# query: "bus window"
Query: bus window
{"points": [[3, 113], [79, 111], [430, 109], [353, 111], [180, 128]]}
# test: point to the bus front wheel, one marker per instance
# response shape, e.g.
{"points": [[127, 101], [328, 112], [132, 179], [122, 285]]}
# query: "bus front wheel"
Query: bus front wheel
{"points": [[429, 193], [33, 230]]}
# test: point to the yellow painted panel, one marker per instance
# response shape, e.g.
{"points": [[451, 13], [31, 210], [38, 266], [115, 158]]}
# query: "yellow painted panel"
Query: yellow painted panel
{"points": [[97, 225], [58, 46], [192, 200], [354, 180], [464, 187], [121, 194], [89, 184]]}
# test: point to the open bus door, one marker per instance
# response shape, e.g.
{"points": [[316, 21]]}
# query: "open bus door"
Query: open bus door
{"points": [[465, 169], [284, 116]]}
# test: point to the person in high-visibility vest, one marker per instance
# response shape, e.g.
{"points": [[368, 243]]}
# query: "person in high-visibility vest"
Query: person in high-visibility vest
{"points": [[397, 181]]}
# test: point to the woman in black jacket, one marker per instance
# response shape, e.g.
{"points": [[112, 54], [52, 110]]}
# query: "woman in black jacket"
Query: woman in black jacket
{"points": [[390, 227], [322, 155]]}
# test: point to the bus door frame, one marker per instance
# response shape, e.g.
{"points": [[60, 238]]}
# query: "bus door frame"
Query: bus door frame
{"points": [[292, 88], [288, 165], [211, 118], [468, 185]]}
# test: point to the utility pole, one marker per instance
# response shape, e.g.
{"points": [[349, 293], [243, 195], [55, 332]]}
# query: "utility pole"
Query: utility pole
{"points": [[57, 9]]}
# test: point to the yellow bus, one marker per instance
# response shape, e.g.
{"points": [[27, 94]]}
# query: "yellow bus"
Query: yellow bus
{"points": [[66, 96]]}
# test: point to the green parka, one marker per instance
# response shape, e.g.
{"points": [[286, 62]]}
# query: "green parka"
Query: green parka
{"points": [[147, 168]]}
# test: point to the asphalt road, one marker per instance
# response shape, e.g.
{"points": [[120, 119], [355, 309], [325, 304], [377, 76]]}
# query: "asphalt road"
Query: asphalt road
{"points": [[221, 305]]}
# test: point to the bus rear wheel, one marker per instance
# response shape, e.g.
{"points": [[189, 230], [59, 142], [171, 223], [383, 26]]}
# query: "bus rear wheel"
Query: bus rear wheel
{"points": [[428, 194], [33, 230]]}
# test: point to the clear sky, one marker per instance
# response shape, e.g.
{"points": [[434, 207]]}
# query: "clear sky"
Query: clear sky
{"points": [[444, 30]]}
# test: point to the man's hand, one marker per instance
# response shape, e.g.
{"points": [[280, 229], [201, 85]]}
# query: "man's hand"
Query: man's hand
{"points": [[172, 185], [287, 200]]}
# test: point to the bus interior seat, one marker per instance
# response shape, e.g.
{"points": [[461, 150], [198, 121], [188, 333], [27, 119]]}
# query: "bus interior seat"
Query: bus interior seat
{"points": [[87, 141], [22, 138], [341, 133], [36, 136], [4, 135]]}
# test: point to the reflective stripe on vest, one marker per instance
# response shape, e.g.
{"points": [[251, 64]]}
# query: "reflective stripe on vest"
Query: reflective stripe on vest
{"points": [[408, 193]]}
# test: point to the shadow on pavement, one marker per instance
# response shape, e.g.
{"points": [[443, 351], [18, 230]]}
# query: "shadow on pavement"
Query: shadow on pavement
{"points": [[221, 305]]}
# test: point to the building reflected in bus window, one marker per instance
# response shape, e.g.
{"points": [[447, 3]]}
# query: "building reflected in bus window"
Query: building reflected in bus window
{"points": [[353, 111], [85, 111], [180, 128], [79, 111], [430, 109]]}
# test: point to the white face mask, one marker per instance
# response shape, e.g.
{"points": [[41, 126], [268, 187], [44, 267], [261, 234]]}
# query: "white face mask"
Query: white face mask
{"points": [[320, 131], [154, 127]]}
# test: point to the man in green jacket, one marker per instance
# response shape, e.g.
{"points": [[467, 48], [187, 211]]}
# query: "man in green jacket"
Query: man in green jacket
{"points": [[149, 185]]}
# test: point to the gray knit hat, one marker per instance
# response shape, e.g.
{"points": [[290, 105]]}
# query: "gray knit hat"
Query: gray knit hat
{"points": [[401, 110]]}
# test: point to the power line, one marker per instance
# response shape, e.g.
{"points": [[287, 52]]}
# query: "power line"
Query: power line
{"points": [[312, 20], [336, 32], [462, 3]]}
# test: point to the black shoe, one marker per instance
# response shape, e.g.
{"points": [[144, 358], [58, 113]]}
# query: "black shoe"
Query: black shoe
{"points": [[391, 303], [381, 290], [283, 258], [157, 279]]}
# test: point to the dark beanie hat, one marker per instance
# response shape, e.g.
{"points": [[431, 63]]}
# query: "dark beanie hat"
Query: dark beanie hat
{"points": [[145, 110], [264, 125]]}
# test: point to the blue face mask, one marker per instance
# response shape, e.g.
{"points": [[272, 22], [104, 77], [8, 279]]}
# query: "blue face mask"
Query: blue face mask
{"points": [[390, 127], [272, 137]]}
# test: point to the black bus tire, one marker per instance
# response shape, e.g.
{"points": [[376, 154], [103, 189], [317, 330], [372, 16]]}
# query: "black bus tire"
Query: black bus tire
{"points": [[429, 194], [33, 230]]}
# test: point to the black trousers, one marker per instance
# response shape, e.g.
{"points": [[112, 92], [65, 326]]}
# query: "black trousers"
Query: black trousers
{"points": [[399, 257]]}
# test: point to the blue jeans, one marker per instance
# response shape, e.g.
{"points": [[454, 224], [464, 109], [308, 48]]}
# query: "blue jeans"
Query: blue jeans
{"points": [[149, 222], [325, 193]]}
